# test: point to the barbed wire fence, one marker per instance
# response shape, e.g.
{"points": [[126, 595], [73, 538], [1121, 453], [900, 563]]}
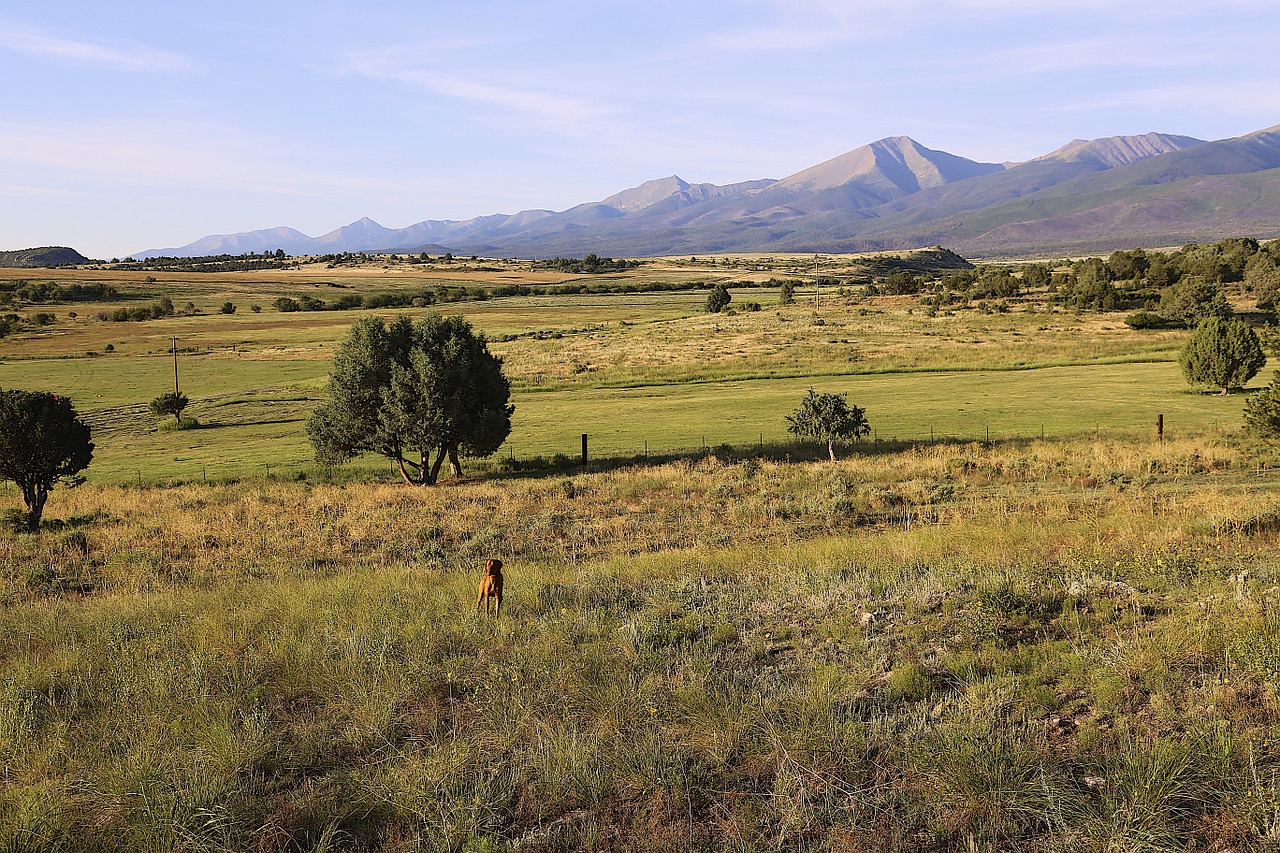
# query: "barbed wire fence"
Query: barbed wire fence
{"points": [[603, 451]]}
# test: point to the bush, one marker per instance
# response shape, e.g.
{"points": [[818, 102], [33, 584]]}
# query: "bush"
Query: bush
{"points": [[227, 308], [1150, 320], [180, 424]]}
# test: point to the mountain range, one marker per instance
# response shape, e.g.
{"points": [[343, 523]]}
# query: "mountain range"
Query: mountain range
{"points": [[1152, 190]]}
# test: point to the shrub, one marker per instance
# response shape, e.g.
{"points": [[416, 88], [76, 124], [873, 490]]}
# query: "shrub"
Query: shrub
{"points": [[1150, 320]]}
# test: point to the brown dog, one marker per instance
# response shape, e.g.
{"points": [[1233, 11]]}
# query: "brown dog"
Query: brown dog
{"points": [[491, 586]]}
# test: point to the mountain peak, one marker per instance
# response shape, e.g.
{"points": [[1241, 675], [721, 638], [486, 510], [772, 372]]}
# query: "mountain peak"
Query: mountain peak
{"points": [[1113, 151], [889, 167], [647, 194]]}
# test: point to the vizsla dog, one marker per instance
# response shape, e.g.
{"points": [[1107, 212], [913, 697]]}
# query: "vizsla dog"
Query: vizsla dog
{"points": [[491, 586]]}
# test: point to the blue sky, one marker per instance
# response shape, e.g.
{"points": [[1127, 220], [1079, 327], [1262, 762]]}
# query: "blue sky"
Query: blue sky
{"points": [[127, 126]]}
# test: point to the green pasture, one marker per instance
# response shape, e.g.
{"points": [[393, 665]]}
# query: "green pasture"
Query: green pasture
{"points": [[644, 372], [243, 437]]}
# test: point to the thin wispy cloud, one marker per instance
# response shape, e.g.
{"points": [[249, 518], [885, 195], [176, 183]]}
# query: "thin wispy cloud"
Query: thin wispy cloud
{"points": [[24, 39], [404, 65]]}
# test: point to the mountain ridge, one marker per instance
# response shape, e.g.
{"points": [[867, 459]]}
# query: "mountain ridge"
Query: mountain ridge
{"points": [[893, 193]]}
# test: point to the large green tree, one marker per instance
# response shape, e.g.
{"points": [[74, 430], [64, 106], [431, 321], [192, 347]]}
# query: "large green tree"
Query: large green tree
{"points": [[410, 390], [42, 441], [829, 418], [1262, 412], [1224, 353]]}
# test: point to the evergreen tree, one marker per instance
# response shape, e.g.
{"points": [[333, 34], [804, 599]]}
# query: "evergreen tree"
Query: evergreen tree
{"points": [[413, 389], [1262, 412], [718, 299], [1223, 353]]}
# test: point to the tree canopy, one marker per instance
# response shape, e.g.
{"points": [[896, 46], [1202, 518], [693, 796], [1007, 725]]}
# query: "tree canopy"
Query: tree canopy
{"points": [[42, 441], [829, 418], [413, 389], [1262, 412], [171, 403], [1192, 300], [718, 299], [1224, 353]]}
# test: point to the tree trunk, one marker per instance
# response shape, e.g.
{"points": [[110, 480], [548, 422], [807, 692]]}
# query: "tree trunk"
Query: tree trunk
{"points": [[455, 467], [408, 478], [435, 467], [831, 449], [34, 496]]}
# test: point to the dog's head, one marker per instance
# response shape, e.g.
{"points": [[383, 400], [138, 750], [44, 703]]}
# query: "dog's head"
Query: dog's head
{"points": [[493, 566]]}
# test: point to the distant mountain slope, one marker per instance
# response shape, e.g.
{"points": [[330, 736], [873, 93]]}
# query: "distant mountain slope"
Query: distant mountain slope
{"points": [[1120, 150], [1152, 189], [266, 240], [45, 256]]}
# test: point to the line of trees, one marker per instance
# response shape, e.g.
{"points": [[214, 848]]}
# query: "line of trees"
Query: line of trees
{"points": [[589, 264], [41, 292], [246, 262]]}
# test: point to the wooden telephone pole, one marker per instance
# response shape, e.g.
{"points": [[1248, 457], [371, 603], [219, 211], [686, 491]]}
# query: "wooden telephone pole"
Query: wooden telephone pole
{"points": [[817, 287]]}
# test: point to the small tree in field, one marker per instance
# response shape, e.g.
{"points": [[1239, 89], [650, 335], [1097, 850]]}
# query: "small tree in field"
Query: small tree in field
{"points": [[787, 293], [1262, 412], [1223, 353], [829, 418], [42, 441], [171, 403], [718, 299]]}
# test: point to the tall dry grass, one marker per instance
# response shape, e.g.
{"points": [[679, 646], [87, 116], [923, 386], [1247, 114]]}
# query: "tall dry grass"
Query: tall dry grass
{"points": [[997, 647]]}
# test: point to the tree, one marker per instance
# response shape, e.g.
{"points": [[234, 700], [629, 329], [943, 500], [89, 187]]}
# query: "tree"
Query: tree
{"points": [[171, 403], [1262, 412], [1262, 278], [717, 299], [829, 418], [228, 308], [787, 293], [1223, 353], [413, 389], [42, 441], [1193, 299]]}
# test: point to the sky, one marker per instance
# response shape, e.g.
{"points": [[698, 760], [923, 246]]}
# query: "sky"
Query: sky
{"points": [[135, 125]]}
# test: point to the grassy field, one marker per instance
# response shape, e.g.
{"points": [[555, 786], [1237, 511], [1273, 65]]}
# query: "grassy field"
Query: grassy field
{"points": [[637, 372], [1057, 645], [960, 636]]}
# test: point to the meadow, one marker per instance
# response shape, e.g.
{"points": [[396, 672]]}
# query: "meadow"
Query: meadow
{"points": [[638, 372], [1038, 628]]}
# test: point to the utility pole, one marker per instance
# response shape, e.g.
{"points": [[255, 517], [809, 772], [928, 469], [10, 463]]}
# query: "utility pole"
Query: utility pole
{"points": [[175, 365], [817, 287]]}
